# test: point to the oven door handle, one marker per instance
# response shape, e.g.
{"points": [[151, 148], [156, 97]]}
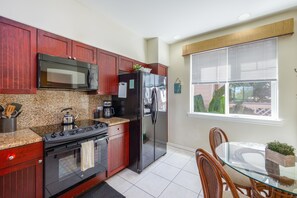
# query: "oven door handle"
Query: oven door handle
{"points": [[58, 151], [74, 147], [104, 138]]}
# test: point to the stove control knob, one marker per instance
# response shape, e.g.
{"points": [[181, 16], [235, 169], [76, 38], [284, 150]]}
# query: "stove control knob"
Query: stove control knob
{"points": [[61, 133], [101, 125], [53, 135], [96, 126]]}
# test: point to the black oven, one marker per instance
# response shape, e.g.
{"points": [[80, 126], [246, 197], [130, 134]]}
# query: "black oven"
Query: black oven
{"points": [[63, 164], [62, 73]]}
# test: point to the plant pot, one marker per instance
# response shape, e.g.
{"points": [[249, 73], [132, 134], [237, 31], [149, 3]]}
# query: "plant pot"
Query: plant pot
{"points": [[284, 160]]}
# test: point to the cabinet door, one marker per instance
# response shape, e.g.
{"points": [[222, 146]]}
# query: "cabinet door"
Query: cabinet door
{"points": [[158, 68], [125, 64], [118, 153], [22, 180], [84, 52], [18, 58], [108, 72], [162, 70], [52, 44]]}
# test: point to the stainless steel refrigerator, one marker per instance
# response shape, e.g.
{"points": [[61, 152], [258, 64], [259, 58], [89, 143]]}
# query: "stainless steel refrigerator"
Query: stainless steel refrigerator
{"points": [[145, 105]]}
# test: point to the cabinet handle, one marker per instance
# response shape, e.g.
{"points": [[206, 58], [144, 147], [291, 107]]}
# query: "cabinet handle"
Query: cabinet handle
{"points": [[69, 57], [74, 58], [118, 129], [11, 157], [40, 161]]}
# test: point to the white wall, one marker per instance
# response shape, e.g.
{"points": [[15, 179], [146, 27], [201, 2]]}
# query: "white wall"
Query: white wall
{"points": [[163, 49], [75, 21], [193, 132], [157, 51], [152, 50]]}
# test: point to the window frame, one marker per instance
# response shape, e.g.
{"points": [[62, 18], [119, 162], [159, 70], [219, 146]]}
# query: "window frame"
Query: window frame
{"points": [[256, 119]]}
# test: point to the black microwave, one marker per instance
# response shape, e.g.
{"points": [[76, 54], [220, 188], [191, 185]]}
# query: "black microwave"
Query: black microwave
{"points": [[62, 73]]}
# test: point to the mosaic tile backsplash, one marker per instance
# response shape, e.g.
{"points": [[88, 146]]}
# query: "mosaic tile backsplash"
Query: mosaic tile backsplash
{"points": [[45, 107]]}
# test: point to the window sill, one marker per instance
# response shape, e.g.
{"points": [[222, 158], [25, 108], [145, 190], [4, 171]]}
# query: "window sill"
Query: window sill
{"points": [[259, 121]]}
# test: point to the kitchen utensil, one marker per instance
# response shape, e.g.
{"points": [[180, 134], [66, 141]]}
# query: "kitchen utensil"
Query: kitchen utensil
{"points": [[1, 110], [16, 114], [68, 118], [17, 106], [9, 110]]}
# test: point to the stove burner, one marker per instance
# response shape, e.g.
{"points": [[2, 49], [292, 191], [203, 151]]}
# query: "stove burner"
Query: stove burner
{"points": [[64, 133]]}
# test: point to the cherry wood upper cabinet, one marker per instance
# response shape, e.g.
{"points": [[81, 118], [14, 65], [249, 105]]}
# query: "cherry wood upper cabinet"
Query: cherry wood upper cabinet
{"points": [[108, 72], [53, 44], [158, 68], [84, 52], [125, 64], [17, 58], [56, 45], [162, 70]]}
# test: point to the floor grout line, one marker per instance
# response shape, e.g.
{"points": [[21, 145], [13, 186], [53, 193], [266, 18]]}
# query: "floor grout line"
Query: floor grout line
{"points": [[170, 181]]}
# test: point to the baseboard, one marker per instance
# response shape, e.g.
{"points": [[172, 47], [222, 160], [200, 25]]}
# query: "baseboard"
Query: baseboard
{"points": [[181, 147]]}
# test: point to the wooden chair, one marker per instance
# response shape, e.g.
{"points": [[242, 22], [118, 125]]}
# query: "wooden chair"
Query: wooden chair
{"points": [[261, 190], [216, 137], [211, 174]]}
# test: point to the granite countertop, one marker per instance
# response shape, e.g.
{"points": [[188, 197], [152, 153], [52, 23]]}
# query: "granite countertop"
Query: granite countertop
{"points": [[18, 138], [113, 121]]}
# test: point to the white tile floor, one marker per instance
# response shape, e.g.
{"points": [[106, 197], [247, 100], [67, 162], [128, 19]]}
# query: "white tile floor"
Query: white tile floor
{"points": [[175, 175]]}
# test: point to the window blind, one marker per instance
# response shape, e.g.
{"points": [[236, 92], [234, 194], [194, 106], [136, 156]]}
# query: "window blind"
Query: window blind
{"points": [[209, 67], [255, 61]]}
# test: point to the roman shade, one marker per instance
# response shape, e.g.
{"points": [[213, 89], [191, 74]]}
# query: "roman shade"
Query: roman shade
{"points": [[255, 61], [209, 67]]}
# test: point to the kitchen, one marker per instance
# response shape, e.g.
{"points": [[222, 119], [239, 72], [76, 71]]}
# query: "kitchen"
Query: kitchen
{"points": [[108, 49]]}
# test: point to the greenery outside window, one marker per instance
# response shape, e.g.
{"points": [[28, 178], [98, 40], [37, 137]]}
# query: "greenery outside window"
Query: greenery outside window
{"points": [[236, 81]]}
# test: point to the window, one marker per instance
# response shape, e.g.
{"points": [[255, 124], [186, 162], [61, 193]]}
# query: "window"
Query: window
{"points": [[236, 81]]}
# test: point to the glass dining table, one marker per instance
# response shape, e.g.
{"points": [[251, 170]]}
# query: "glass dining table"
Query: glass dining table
{"points": [[249, 159]]}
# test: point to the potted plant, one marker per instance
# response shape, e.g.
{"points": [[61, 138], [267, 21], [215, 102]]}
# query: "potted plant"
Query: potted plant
{"points": [[280, 153], [137, 67]]}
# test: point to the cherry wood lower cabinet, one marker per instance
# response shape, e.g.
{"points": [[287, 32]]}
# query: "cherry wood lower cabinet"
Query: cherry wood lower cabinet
{"points": [[21, 171], [118, 148], [17, 58]]}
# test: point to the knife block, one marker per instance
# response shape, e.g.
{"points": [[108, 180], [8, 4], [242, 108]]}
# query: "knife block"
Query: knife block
{"points": [[8, 125]]}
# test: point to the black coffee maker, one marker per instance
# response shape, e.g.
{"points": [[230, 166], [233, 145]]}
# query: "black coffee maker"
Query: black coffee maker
{"points": [[108, 110]]}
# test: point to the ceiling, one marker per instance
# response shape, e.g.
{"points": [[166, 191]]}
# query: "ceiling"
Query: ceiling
{"points": [[172, 20]]}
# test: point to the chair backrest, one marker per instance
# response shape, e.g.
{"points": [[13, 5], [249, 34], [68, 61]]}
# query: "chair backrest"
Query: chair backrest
{"points": [[211, 174], [216, 137]]}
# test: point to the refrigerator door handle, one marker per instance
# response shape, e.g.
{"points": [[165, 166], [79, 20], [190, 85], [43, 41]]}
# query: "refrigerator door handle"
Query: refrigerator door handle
{"points": [[157, 106], [152, 107]]}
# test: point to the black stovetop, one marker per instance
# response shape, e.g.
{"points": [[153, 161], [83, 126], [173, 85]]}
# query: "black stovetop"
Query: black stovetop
{"points": [[57, 128]]}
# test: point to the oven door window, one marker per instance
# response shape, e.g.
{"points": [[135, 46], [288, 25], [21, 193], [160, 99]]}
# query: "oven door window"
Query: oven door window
{"points": [[69, 163], [63, 76]]}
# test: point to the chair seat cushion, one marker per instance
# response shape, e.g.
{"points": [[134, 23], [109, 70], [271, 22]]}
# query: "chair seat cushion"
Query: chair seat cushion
{"points": [[237, 178], [227, 194]]}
